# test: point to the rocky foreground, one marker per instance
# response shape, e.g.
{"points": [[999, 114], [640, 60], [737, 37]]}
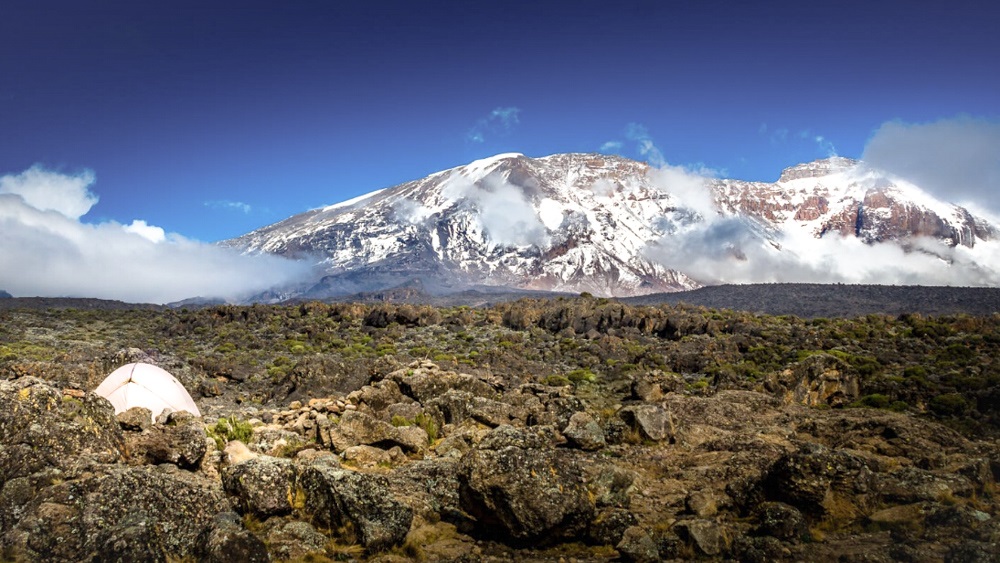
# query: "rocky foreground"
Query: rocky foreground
{"points": [[429, 464]]}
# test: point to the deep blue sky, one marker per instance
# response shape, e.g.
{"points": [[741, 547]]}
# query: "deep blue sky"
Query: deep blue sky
{"points": [[179, 107]]}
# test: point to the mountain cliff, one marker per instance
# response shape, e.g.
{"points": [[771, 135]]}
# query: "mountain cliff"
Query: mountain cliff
{"points": [[598, 223]]}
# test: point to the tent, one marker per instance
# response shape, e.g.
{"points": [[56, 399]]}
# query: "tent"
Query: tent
{"points": [[145, 385]]}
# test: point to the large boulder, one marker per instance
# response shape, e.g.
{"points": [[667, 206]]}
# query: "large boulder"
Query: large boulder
{"points": [[652, 421], [821, 379], [261, 486], [518, 490], [145, 511], [41, 427], [356, 428], [584, 432], [817, 480], [181, 441], [225, 539], [337, 498]]}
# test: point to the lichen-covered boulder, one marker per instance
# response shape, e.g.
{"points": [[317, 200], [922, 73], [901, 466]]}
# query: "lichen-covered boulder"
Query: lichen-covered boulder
{"points": [[517, 489], [636, 546], [261, 486], [584, 432], [41, 427], [225, 539], [297, 541], [87, 510], [357, 428], [823, 482], [180, 441], [337, 498]]}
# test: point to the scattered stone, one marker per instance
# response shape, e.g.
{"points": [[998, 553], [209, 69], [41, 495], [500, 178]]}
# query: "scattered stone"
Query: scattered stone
{"points": [[367, 456], [652, 421], [296, 541], [135, 419], [610, 525], [636, 546], [584, 432], [701, 503], [705, 535], [781, 521]]}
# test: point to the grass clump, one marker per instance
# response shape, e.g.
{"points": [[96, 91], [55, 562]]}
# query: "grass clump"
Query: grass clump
{"points": [[227, 429]]}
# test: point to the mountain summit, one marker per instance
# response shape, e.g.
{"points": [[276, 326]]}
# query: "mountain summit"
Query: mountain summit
{"points": [[609, 225]]}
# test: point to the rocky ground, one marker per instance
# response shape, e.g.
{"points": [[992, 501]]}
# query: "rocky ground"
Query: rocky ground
{"points": [[429, 464]]}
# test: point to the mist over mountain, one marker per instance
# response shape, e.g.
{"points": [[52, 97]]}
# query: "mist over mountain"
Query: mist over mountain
{"points": [[613, 226]]}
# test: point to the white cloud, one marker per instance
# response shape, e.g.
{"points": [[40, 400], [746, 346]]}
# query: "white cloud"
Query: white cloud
{"points": [[955, 159], [48, 251], [714, 248], [500, 121], [611, 146], [728, 252], [505, 212], [410, 211], [46, 190], [229, 205], [639, 134], [148, 232]]}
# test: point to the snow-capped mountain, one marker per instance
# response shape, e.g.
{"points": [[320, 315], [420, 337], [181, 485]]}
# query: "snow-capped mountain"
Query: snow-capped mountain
{"points": [[597, 223]]}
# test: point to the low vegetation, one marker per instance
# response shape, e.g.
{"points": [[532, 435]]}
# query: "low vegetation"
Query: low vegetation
{"points": [[945, 367]]}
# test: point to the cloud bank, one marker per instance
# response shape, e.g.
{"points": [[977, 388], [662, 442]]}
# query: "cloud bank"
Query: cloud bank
{"points": [[48, 251], [956, 160], [714, 248]]}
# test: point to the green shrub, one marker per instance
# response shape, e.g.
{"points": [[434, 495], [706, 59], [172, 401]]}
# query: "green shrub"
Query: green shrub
{"points": [[874, 401], [229, 429], [949, 404]]}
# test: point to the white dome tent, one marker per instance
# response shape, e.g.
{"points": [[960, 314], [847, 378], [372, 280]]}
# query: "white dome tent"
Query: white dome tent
{"points": [[148, 386]]}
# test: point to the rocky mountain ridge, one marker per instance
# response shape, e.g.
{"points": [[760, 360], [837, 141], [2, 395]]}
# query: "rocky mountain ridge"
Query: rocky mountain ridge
{"points": [[597, 223]]}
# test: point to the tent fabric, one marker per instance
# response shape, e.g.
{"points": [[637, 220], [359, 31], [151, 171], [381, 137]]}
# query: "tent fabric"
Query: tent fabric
{"points": [[148, 386]]}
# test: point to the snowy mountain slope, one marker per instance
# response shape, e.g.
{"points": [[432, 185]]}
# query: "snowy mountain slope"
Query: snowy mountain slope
{"points": [[597, 223]]}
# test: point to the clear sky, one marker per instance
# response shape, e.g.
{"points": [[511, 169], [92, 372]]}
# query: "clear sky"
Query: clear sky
{"points": [[212, 118]]}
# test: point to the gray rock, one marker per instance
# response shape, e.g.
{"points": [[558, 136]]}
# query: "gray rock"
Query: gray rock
{"points": [[701, 503], [337, 497], [424, 384], [781, 521], [704, 535], [610, 525], [366, 456], [584, 432], [136, 419], [652, 421], [260, 486], [637, 546], [180, 441], [523, 492], [40, 427], [357, 428], [225, 539], [111, 507], [296, 541]]}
